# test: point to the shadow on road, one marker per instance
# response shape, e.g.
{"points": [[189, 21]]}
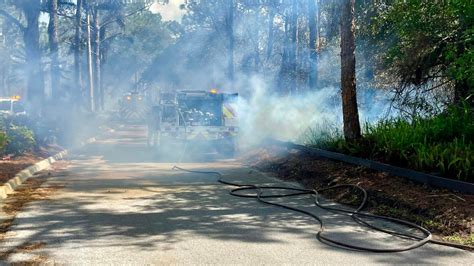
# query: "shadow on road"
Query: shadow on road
{"points": [[117, 191], [167, 215]]}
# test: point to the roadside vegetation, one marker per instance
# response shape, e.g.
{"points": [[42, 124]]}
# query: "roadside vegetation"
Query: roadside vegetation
{"points": [[442, 144], [15, 138], [44, 136], [422, 52], [19, 147], [72, 60]]}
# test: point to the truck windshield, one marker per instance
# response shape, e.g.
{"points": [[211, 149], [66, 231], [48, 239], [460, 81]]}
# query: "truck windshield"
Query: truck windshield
{"points": [[18, 107], [169, 114], [5, 105], [201, 112]]}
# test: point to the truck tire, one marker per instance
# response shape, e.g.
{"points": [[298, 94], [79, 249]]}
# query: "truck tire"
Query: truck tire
{"points": [[227, 148]]}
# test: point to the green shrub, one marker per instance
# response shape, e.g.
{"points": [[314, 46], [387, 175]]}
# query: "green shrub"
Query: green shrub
{"points": [[442, 144], [20, 139], [3, 142], [4, 122]]}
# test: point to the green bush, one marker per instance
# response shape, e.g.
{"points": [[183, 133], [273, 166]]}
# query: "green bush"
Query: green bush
{"points": [[20, 139], [443, 144], [3, 142]]}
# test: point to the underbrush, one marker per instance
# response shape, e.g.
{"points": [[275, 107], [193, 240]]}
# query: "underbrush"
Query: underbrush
{"points": [[441, 145], [15, 138], [3, 142], [20, 139]]}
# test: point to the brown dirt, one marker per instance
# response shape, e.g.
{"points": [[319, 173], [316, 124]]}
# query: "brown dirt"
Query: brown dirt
{"points": [[32, 190], [448, 215], [8, 169], [10, 166], [26, 248]]}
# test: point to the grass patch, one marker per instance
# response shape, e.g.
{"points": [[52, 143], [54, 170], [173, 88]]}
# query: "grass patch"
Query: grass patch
{"points": [[463, 240], [441, 145]]}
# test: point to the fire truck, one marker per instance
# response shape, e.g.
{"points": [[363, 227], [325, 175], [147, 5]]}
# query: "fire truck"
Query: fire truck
{"points": [[133, 107], [194, 118], [11, 106]]}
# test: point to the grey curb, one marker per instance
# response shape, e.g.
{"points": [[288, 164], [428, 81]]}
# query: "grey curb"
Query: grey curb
{"points": [[10, 186]]}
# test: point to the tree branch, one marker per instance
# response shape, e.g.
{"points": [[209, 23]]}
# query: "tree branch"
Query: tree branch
{"points": [[105, 23], [12, 19]]}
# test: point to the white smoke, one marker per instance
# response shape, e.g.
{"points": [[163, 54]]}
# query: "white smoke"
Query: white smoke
{"points": [[169, 12], [265, 114]]}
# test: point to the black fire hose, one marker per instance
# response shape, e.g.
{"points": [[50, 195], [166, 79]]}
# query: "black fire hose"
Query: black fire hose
{"points": [[356, 214]]}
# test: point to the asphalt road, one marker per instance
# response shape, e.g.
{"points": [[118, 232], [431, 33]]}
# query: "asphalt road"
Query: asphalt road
{"points": [[120, 205]]}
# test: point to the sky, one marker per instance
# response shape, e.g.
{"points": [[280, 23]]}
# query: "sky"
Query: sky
{"points": [[169, 11]]}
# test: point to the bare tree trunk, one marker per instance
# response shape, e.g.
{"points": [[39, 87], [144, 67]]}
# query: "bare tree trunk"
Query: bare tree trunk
{"points": [[35, 83], [103, 58], [318, 30], [348, 78], [230, 35], [293, 46], [271, 33], [77, 52], [284, 66], [96, 60], [5, 90], [313, 44], [54, 49], [89, 62]]}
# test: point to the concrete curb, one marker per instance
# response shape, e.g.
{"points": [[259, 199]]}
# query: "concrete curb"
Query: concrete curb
{"points": [[10, 186]]}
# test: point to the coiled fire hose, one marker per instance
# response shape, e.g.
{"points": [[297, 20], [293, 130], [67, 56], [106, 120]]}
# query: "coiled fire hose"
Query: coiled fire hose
{"points": [[355, 214]]}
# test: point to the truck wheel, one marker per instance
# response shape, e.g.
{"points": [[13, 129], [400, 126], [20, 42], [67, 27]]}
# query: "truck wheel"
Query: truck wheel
{"points": [[227, 149]]}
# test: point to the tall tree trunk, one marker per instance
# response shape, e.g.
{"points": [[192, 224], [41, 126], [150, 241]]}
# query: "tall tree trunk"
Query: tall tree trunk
{"points": [[54, 49], [35, 78], [103, 58], [313, 44], [271, 33], [293, 45], [79, 83], [4, 32], [96, 58], [284, 66], [5, 90], [318, 28], [89, 62], [230, 36], [348, 78]]}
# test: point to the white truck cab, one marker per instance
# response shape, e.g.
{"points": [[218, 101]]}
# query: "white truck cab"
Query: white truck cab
{"points": [[11, 106]]}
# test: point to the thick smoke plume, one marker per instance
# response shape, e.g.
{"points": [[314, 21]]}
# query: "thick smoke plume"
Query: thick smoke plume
{"points": [[264, 114]]}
